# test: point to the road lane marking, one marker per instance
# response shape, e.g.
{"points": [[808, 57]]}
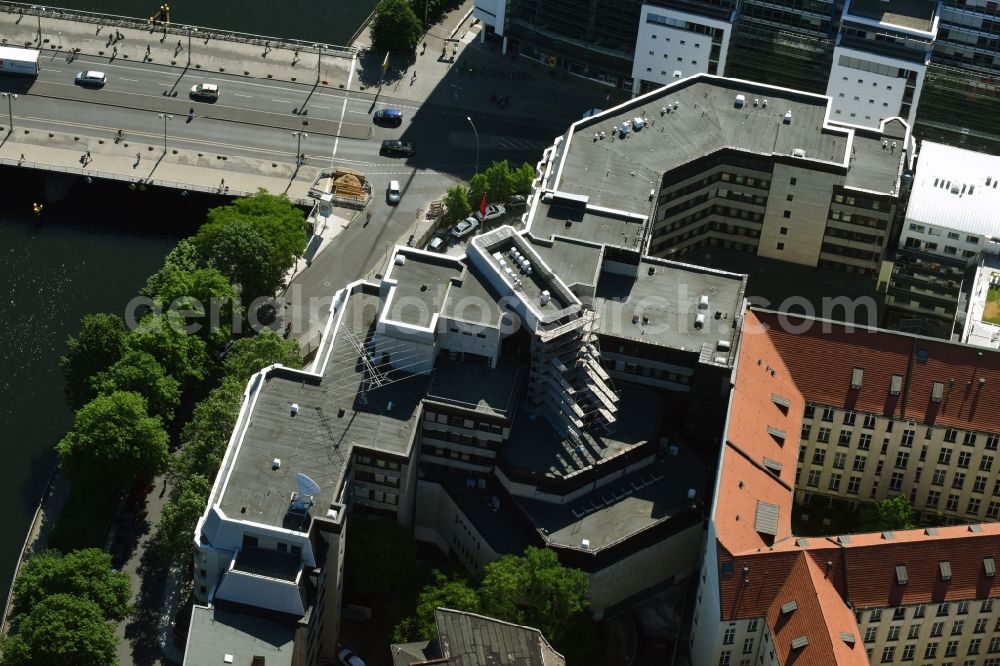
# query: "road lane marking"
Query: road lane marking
{"points": [[239, 95], [122, 78], [283, 101], [343, 109], [317, 106]]}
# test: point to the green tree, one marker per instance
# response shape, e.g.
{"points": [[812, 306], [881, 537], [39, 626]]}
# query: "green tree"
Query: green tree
{"points": [[521, 179], [139, 372], [249, 355], [62, 630], [114, 441], [206, 300], [182, 356], [253, 241], [498, 182], [535, 590], [456, 200], [180, 515], [892, 513], [184, 257], [83, 573], [381, 556], [206, 436], [395, 27], [477, 186], [99, 345], [455, 593]]}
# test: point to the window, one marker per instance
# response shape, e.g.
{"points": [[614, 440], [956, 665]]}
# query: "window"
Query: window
{"points": [[907, 439], [914, 632], [993, 511], [787, 214], [930, 652], [784, 230], [908, 651], [792, 181], [950, 435], [951, 649], [952, 503], [870, 634], [938, 478], [724, 657], [809, 412], [819, 456], [839, 460], [994, 645], [869, 423], [828, 414], [896, 481], [853, 484], [980, 485], [942, 610], [748, 645], [888, 654], [938, 627], [918, 611], [806, 429], [986, 464], [902, 458], [956, 629], [980, 627], [728, 636], [992, 441], [859, 463], [933, 498], [813, 480], [834, 482], [944, 457], [780, 246], [823, 436], [849, 418], [893, 633], [963, 607], [876, 615], [958, 481], [963, 459], [864, 441], [845, 438]]}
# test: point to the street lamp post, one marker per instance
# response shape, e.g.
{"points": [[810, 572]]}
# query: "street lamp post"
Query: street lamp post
{"points": [[38, 12], [477, 143], [190, 30], [298, 146], [10, 109], [319, 63], [166, 117]]}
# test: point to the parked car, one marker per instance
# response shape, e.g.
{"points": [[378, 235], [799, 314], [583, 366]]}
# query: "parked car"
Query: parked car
{"points": [[464, 228], [517, 201], [395, 147], [392, 193], [438, 244], [388, 117], [207, 92], [493, 211], [347, 658], [91, 78]]}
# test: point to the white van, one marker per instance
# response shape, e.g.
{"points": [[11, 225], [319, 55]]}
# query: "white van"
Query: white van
{"points": [[392, 195], [91, 78]]}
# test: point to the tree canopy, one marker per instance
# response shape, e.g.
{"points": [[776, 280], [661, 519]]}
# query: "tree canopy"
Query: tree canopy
{"points": [[892, 513], [535, 590], [99, 345], [207, 434], [180, 515], [83, 573], [380, 557], [444, 592], [114, 440], [62, 630], [249, 355], [477, 186], [205, 299], [395, 26], [139, 372], [498, 182], [182, 356], [184, 257], [521, 178], [253, 241], [456, 200]]}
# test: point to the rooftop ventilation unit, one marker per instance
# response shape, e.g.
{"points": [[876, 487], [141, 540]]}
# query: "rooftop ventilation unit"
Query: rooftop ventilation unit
{"points": [[764, 104], [788, 118], [703, 303], [585, 544], [989, 567], [945, 567], [856, 377], [400, 259], [937, 391], [799, 643], [901, 577], [699, 322], [799, 152], [740, 101], [790, 607], [546, 297], [847, 637], [896, 385]]}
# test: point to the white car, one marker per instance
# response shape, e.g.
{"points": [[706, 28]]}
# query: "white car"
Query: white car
{"points": [[208, 92], [347, 658], [493, 211], [464, 228]]}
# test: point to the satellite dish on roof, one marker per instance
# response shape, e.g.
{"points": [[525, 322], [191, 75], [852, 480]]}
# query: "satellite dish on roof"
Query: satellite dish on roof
{"points": [[306, 485]]}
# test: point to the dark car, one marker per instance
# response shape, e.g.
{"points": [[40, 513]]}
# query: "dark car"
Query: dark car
{"points": [[395, 147], [388, 117]]}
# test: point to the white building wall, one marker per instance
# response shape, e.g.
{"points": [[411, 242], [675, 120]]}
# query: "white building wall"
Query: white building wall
{"points": [[706, 630], [867, 88], [491, 13], [661, 50], [938, 240]]}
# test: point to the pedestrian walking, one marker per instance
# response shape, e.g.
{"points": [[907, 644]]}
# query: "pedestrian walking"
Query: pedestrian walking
{"points": [[22, 158], [88, 155], [138, 157]]}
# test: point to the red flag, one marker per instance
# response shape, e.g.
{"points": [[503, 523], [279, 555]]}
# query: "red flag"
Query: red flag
{"points": [[482, 205]]}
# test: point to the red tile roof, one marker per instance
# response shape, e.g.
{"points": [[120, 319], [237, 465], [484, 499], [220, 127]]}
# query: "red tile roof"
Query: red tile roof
{"points": [[808, 345]]}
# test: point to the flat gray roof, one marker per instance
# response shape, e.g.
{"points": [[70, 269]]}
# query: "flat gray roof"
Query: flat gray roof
{"points": [[619, 173], [621, 508], [574, 261], [468, 639], [534, 446], [913, 14], [873, 168], [332, 418], [470, 300], [477, 387], [597, 226], [422, 287], [215, 633], [669, 301]]}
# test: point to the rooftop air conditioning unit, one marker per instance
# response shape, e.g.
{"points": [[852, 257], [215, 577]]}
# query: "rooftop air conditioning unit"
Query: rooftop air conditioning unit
{"points": [[740, 101], [799, 152]]}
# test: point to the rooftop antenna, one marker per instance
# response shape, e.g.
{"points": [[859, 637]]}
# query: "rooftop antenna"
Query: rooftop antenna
{"points": [[373, 377], [306, 485]]}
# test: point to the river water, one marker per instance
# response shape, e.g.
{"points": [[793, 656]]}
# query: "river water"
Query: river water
{"points": [[327, 21]]}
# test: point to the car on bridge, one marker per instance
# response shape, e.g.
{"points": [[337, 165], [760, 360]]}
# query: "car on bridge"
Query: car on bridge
{"points": [[397, 148], [388, 117], [206, 92], [91, 78]]}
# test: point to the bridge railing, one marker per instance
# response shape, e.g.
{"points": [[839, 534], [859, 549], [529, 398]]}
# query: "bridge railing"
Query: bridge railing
{"points": [[136, 182], [180, 30]]}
